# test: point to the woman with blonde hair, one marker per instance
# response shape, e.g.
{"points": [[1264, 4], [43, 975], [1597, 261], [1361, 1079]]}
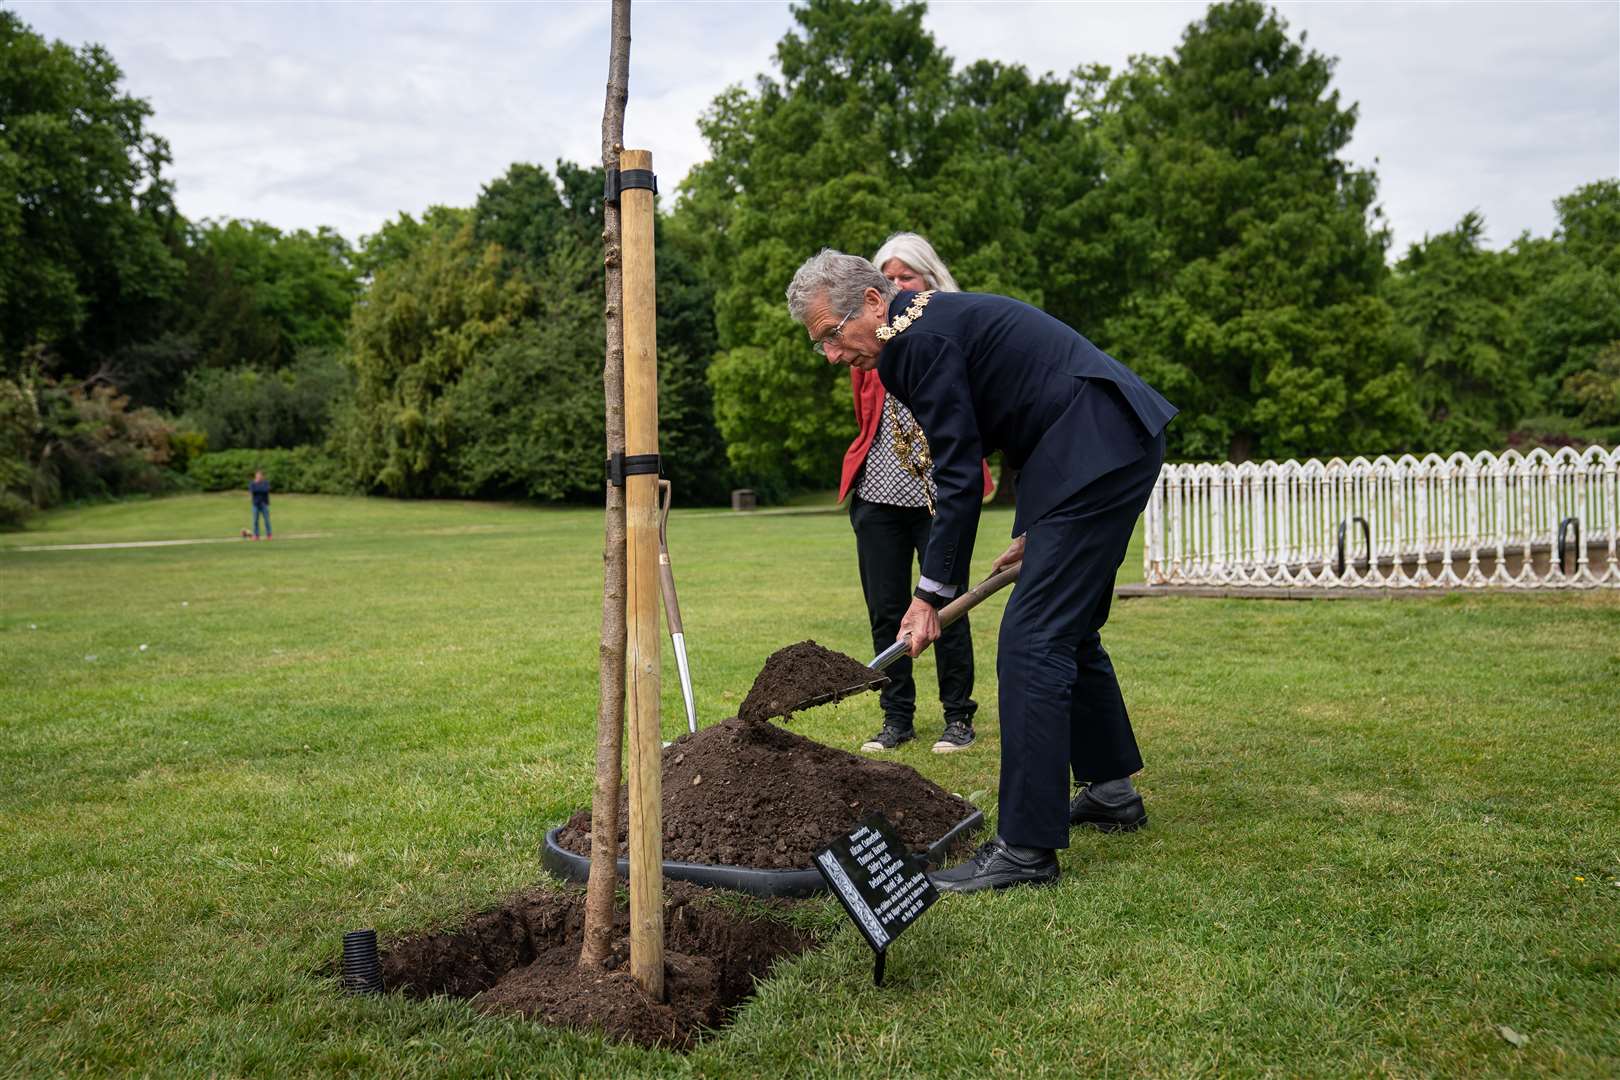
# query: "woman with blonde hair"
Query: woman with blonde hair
{"points": [[889, 483]]}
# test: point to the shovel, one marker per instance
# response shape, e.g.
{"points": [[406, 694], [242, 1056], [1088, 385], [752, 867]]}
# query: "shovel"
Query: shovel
{"points": [[947, 615], [953, 611], [672, 607]]}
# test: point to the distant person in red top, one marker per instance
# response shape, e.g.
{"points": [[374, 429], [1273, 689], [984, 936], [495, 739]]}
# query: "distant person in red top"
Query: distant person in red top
{"points": [[889, 483], [259, 489]]}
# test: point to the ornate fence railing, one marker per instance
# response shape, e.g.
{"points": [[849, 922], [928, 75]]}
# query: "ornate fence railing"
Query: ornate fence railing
{"points": [[1523, 521]]}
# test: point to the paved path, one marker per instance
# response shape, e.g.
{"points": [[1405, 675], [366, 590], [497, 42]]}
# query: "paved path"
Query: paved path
{"points": [[161, 543]]}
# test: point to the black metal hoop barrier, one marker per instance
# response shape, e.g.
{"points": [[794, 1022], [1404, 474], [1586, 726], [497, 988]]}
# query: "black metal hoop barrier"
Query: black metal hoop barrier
{"points": [[572, 866], [1563, 534], [1366, 538]]}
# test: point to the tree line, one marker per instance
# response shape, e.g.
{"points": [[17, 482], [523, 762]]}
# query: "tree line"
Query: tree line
{"points": [[1192, 214]]}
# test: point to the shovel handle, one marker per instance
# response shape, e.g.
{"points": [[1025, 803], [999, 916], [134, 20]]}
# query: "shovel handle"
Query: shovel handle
{"points": [[953, 611], [666, 575], [976, 595]]}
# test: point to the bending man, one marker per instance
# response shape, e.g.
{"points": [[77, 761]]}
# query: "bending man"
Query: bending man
{"points": [[984, 373], [891, 508]]}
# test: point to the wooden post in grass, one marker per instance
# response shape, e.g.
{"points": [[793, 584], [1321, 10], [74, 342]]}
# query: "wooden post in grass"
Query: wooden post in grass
{"points": [[599, 890], [642, 612]]}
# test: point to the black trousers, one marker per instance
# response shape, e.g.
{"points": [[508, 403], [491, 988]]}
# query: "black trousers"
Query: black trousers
{"points": [[1061, 708], [888, 539]]}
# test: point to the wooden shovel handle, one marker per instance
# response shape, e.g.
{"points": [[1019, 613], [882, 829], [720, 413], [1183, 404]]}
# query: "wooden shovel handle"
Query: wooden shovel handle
{"points": [[666, 574], [976, 595]]}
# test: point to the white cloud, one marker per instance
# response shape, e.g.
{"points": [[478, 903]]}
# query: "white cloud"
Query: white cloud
{"points": [[346, 114]]}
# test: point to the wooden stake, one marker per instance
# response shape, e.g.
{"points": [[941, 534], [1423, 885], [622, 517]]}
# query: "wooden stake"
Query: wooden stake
{"points": [[642, 612], [599, 890]]}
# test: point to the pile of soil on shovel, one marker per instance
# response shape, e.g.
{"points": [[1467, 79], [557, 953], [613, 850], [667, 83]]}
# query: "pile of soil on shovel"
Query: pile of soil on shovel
{"points": [[800, 673], [522, 958], [755, 795]]}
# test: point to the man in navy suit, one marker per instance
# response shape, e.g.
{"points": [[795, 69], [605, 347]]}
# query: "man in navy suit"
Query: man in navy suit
{"points": [[1086, 436]]}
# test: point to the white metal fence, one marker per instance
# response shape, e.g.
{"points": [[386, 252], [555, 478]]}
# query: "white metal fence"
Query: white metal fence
{"points": [[1524, 521]]}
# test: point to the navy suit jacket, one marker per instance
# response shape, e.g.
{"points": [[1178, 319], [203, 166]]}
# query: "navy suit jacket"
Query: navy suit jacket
{"points": [[983, 373]]}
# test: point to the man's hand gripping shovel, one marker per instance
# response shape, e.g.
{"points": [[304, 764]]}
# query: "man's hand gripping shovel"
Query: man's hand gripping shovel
{"points": [[1005, 574]]}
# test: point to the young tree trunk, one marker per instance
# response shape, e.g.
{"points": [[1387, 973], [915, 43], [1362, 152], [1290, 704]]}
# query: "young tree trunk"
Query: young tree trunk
{"points": [[610, 711]]}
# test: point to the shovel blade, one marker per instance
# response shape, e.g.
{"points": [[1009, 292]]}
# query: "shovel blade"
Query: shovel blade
{"points": [[877, 682]]}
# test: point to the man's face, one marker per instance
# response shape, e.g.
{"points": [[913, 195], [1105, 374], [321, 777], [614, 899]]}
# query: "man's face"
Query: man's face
{"points": [[856, 344]]}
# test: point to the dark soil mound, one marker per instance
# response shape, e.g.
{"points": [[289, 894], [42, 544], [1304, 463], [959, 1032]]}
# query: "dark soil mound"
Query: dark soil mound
{"points": [[521, 957], [755, 795], [802, 675]]}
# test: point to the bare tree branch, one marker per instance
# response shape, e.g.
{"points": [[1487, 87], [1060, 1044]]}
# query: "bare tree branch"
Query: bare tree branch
{"points": [[610, 711]]}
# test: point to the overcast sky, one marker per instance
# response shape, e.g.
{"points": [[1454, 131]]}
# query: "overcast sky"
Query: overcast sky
{"points": [[344, 114]]}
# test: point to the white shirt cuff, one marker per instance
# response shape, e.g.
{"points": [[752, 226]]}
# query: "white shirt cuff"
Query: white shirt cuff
{"points": [[928, 584]]}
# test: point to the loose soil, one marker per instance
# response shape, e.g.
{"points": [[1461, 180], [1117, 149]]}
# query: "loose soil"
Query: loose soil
{"points": [[802, 675], [741, 793], [753, 794], [522, 958]]}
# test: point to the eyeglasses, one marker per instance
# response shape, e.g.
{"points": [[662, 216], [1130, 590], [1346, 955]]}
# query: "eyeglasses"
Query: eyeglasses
{"points": [[832, 335]]}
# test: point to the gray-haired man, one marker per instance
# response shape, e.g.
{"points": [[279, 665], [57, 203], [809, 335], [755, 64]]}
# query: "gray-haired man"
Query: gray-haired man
{"points": [[984, 373]]}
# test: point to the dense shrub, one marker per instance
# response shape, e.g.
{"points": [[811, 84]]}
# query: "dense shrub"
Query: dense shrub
{"points": [[1553, 431], [1595, 389], [18, 422], [523, 420], [60, 443], [98, 446], [249, 407], [308, 470]]}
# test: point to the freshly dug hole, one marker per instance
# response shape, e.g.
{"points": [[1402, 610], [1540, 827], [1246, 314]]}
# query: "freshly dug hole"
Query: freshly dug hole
{"points": [[521, 958]]}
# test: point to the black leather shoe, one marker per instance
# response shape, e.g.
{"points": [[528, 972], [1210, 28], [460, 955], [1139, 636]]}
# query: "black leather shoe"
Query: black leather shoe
{"points": [[1126, 817], [999, 865]]}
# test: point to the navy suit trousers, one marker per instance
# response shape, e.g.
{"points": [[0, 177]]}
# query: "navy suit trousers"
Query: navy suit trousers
{"points": [[1061, 708]]}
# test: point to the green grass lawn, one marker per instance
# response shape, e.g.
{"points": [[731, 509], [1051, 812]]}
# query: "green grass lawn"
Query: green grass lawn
{"points": [[1379, 829]]}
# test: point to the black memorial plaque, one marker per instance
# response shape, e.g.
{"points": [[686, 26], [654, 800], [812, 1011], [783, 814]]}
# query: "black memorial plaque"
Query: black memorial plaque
{"points": [[880, 884]]}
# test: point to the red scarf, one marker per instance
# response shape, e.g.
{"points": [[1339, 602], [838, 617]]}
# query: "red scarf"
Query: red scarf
{"points": [[868, 392]]}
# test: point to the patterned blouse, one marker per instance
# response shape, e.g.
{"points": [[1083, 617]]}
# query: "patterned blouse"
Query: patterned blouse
{"points": [[883, 478]]}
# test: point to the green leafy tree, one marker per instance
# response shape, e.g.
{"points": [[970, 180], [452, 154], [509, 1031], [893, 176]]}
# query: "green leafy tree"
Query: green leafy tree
{"points": [[1472, 352], [865, 131], [399, 239], [1595, 390], [1238, 261], [19, 427], [424, 320], [525, 417], [1571, 305], [253, 297], [1589, 224], [301, 284], [478, 350], [87, 222], [250, 407], [549, 228], [525, 213], [689, 442]]}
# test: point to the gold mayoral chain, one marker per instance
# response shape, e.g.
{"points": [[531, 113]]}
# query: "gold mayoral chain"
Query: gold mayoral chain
{"points": [[911, 448], [910, 444], [909, 316]]}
